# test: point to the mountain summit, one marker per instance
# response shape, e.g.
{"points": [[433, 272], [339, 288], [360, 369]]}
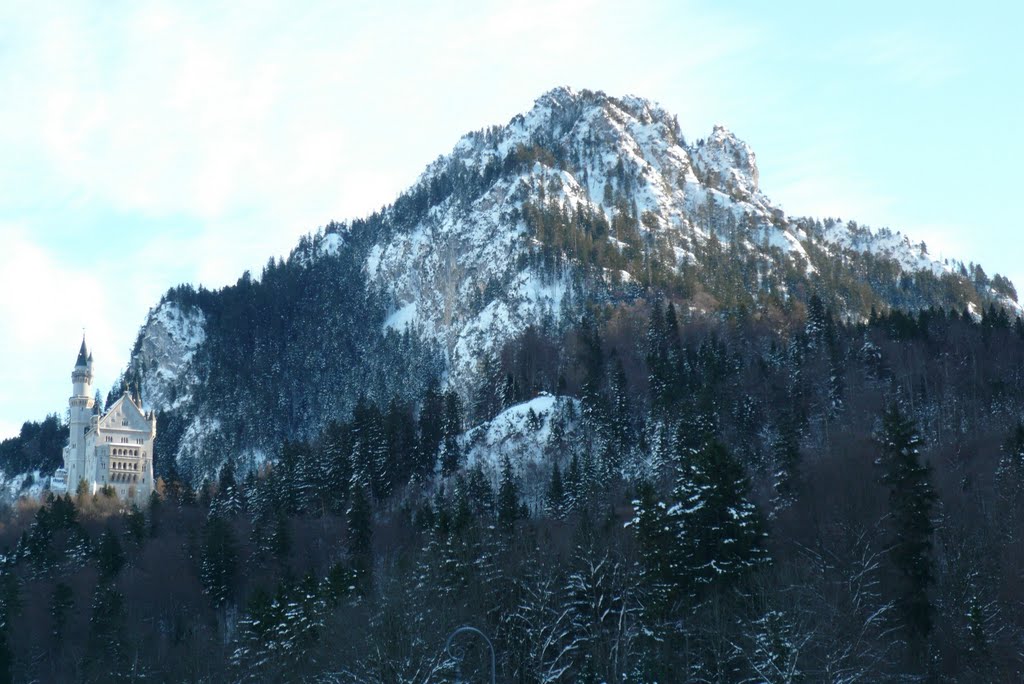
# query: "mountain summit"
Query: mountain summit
{"points": [[584, 200]]}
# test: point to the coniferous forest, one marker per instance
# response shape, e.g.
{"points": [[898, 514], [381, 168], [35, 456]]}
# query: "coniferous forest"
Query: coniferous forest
{"points": [[818, 501]]}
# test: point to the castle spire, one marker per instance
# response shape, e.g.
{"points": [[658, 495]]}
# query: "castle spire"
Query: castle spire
{"points": [[83, 355]]}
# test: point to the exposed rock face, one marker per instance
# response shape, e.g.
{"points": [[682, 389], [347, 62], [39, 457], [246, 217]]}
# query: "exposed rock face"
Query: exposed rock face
{"points": [[727, 163], [164, 351]]}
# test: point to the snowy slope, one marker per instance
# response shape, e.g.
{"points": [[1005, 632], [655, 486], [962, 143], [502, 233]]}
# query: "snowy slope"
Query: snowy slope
{"points": [[528, 434], [912, 257], [436, 271], [166, 347], [592, 144]]}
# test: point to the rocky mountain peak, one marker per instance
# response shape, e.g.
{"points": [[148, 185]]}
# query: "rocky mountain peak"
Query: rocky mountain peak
{"points": [[727, 163]]}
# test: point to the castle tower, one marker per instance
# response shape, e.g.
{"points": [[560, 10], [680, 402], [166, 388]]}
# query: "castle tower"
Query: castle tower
{"points": [[80, 404]]}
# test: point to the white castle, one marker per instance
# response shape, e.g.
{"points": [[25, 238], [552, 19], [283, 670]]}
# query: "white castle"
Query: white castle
{"points": [[110, 450]]}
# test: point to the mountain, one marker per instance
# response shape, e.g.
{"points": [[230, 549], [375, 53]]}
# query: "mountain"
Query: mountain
{"points": [[585, 200], [584, 387]]}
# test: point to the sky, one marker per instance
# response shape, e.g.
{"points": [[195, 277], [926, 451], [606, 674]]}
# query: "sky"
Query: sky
{"points": [[145, 144]]}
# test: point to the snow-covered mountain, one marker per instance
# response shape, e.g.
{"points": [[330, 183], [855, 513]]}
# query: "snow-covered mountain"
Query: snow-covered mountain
{"points": [[584, 199], [604, 155]]}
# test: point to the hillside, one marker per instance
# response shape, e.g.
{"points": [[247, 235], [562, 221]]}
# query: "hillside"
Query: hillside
{"points": [[586, 200]]}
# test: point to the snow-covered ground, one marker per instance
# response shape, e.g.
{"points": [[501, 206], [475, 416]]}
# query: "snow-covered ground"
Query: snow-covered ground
{"points": [[524, 434], [30, 485]]}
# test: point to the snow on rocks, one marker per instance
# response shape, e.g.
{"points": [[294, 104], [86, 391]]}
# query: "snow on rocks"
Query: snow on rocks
{"points": [[523, 433], [460, 274], [167, 345]]}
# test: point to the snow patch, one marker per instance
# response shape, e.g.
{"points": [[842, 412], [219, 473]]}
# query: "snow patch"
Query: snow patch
{"points": [[402, 318], [524, 433]]}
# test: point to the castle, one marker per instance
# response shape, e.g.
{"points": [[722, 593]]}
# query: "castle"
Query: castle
{"points": [[110, 450]]}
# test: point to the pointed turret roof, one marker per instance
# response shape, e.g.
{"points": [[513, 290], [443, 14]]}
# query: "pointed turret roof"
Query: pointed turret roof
{"points": [[83, 355]]}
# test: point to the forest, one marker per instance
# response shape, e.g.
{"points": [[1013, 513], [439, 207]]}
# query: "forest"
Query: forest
{"points": [[755, 496]]}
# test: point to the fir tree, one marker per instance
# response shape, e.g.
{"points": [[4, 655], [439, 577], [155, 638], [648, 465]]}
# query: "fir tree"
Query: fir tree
{"points": [[106, 626], [662, 571], [911, 498], [1009, 480], [509, 509], [218, 561], [360, 531], [431, 429], [135, 524], [555, 501], [451, 451], [109, 554], [721, 534], [229, 498], [480, 493], [62, 602], [336, 454]]}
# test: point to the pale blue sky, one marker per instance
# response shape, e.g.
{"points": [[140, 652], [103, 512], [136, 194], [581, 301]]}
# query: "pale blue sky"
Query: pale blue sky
{"points": [[144, 144]]}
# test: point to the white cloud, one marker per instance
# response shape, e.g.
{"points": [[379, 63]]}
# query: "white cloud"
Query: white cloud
{"points": [[44, 306]]}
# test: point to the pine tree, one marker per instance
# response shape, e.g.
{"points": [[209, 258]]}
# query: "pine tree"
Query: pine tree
{"points": [[280, 541], [61, 603], [574, 489], [360, 532], [618, 437], [135, 524], [336, 454], [480, 493], [451, 451], [785, 463], [109, 554], [218, 561], [662, 571], [509, 509], [555, 502], [1009, 482], [431, 429], [658, 364], [911, 498], [106, 626], [229, 498], [721, 534]]}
